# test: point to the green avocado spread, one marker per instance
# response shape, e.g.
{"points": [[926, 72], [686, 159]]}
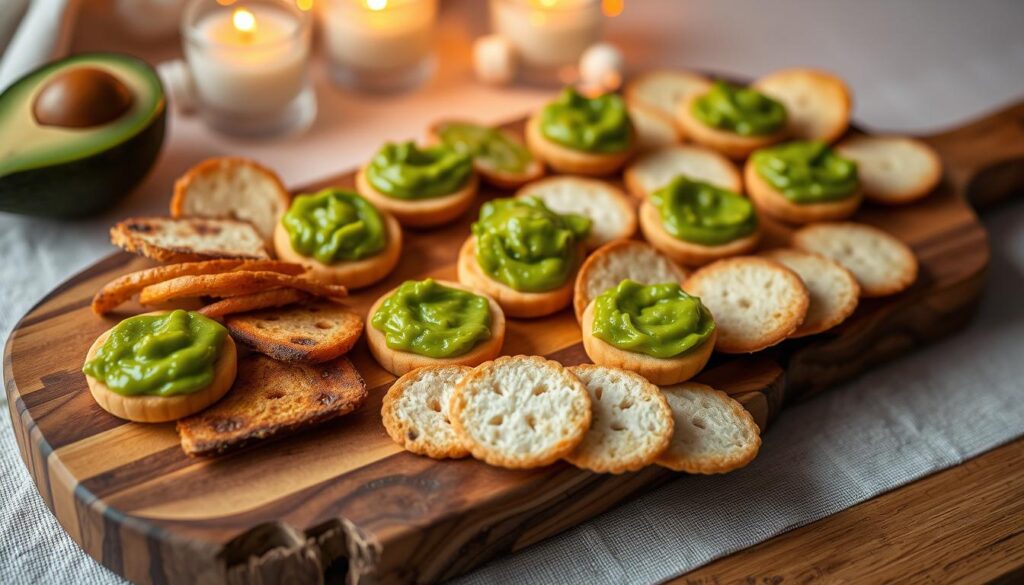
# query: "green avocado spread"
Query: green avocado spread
{"points": [[159, 355], [742, 110], [406, 171], [492, 147], [522, 243], [599, 124], [807, 172], [702, 213], [433, 320], [658, 320], [334, 226]]}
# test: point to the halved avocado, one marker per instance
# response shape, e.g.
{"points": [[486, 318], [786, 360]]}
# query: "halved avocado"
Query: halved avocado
{"points": [[78, 134]]}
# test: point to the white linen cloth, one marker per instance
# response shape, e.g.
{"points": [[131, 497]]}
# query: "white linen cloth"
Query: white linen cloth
{"points": [[914, 66]]}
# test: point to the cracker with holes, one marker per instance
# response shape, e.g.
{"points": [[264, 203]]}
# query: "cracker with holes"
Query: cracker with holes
{"points": [[520, 412], [894, 170], [833, 290], [631, 422], [415, 411], [617, 261], [817, 103], [311, 333], [756, 302], [712, 432], [882, 264], [653, 170], [609, 209]]}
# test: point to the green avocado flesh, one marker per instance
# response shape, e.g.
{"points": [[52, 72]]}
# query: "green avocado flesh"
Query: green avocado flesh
{"points": [[433, 320], [67, 171], [159, 355], [525, 245], [658, 320]]}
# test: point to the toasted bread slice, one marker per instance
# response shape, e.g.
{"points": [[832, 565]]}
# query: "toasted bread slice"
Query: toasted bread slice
{"points": [[713, 433], [631, 423], [310, 333], [230, 284], [817, 103], [665, 90], [520, 411], [273, 398], [893, 169], [770, 201], [610, 211], [123, 288], [655, 169], [429, 212], [232, 188], [733, 145], [188, 239], [833, 289], [486, 167], [616, 261], [415, 411], [882, 264], [756, 302], [264, 299], [691, 253], [654, 128]]}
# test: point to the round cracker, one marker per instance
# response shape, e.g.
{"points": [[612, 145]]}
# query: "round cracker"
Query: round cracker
{"points": [[415, 411], [654, 128], [429, 212], [817, 103], [833, 290], [653, 170], [567, 160], [631, 423], [713, 433], [882, 264], [610, 211], [756, 302], [520, 412], [893, 170]]}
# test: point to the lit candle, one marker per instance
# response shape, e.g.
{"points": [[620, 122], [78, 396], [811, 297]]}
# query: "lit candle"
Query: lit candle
{"points": [[378, 43], [548, 33], [248, 59]]}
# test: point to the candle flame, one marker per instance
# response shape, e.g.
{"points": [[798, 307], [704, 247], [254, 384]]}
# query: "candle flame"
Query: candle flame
{"points": [[244, 20], [304, 5], [612, 7], [376, 4]]}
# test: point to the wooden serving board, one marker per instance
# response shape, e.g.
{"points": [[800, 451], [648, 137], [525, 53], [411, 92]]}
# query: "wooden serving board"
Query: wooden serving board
{"points": [[343, 499]]}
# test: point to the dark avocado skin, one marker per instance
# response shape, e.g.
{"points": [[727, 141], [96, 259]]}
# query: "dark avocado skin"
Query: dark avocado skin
{"points": [[87, 185]]}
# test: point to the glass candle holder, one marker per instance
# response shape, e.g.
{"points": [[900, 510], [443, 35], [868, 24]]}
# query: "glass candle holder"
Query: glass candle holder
{"points": [[549, 36], [248, 62], [379, 45]]}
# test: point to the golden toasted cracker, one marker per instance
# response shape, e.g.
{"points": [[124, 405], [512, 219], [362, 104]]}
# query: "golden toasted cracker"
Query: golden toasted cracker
{"points": [[273, 398], [124, 287], [266, 299], [231, 284]]}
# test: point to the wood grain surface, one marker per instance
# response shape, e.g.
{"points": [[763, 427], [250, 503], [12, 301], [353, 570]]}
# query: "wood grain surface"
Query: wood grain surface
{"points": [[967, 527], [343, 495]]}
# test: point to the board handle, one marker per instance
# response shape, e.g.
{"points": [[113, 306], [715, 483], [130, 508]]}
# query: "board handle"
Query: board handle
{"points": [[984, 159]]}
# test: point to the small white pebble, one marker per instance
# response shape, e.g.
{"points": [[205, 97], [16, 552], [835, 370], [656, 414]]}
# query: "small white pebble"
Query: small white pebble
{"points": [[602, 67], [494, 60]]}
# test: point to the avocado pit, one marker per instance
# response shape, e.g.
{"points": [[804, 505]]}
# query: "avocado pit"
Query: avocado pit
{"points": [[81, 97]]}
